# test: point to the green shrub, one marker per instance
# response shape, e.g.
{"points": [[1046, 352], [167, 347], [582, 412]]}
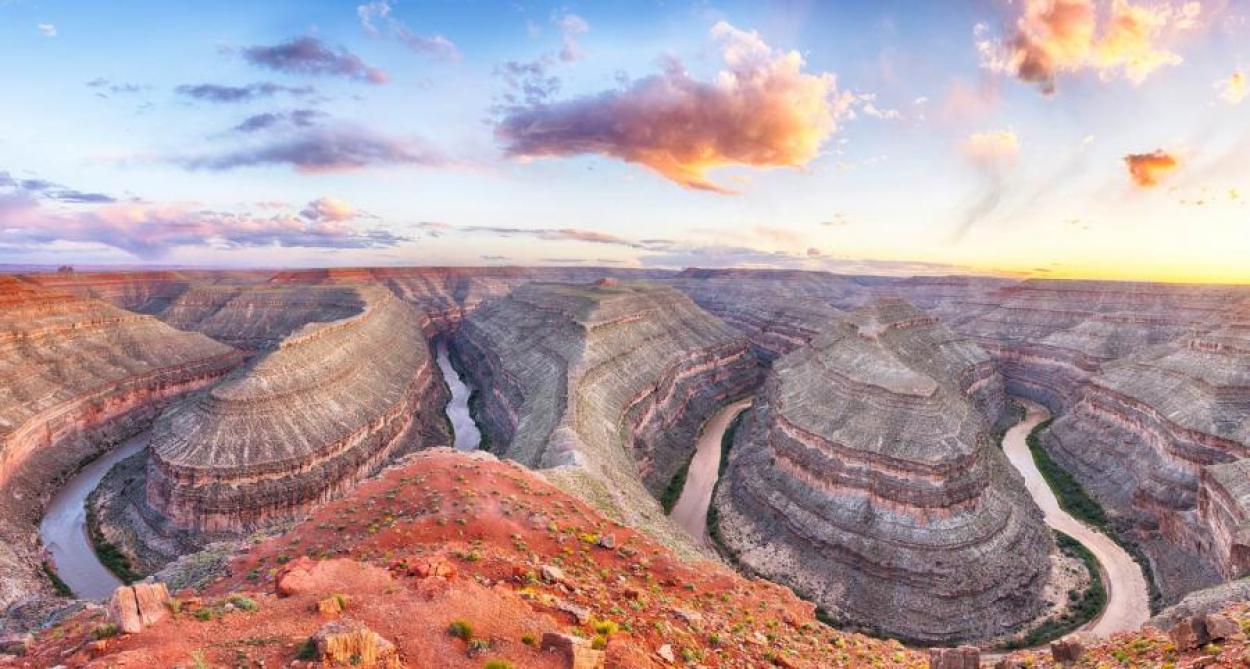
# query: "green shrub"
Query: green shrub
{"points": [[105, 631], [461, 629], [497, 664]]}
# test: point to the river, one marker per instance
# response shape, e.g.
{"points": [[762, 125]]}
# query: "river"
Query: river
{"points": [[1128, 600], [64, 526], [690, 512], [468, 438]]}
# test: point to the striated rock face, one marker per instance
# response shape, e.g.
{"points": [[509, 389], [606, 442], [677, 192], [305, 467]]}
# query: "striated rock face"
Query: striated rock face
{"points": [[301, 424], [78, 375], [1159, 436], [257, 318], [866, 478], [610, 381], [1051, 336]]}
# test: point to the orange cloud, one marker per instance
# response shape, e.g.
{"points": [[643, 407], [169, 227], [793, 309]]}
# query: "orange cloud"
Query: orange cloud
{"points": [[1118, 39], [761, 110], [1148, 169]]}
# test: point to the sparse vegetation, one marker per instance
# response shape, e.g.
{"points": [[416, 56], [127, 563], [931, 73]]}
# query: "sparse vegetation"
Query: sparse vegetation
{"points": [[672, 493], [105, 631], [497, 664], [1083, 606], [1073, 499], [713, 518], [461, 629], [61, 587]]}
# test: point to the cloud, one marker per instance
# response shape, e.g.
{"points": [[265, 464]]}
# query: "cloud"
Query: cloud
{"points": [[318, 149], [1233, 89], [993, 153], [1149, 169], [564, 234], [1112, 39], [995, 148], [762, 110], [528, 82], [117, 88], [47, 29], [228, 94], [328, 209], [434, 46], [311, 56], [32, 189], [571, 25], [299, 118], [150, 230]]}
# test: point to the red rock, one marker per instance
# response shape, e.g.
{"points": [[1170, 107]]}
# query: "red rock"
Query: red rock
{"points": [[1220, 627], [325, 577], [123, 610], [963, 657], [351, 643], [1188, 634], [435, 568], [1067, 651], [577, 651]]}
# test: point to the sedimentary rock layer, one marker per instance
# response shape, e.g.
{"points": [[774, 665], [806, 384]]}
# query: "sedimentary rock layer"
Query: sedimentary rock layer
{"points": [[78, 375], [302, 423], [256, 318], [603, 383], [1158, 436], [866, 478]]}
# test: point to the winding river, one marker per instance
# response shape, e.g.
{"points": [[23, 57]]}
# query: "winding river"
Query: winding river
{"points": [[1128, 600], [468, 438], [690, 512], [64, 526]]}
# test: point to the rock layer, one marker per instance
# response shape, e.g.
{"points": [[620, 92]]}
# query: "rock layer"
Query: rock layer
{"points": [[1159, 436], [302, 423], [866, 478], [77, 375], [609, 382]]}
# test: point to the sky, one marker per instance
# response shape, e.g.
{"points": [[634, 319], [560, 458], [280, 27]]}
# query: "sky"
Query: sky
{"points": [[1046, 138]]}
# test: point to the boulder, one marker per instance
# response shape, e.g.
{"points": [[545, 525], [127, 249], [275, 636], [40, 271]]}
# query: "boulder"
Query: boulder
{"points": [[1220, 627], [1067, 651], [351, 643], [133, 608], [576, 650], [963, 657], [1188, 634]]}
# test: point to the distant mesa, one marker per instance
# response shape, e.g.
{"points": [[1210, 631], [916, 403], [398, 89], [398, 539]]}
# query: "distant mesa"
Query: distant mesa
{"points": [[867, 478]]}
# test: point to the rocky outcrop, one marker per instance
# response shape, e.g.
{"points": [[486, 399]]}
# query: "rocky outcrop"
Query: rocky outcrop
{"points": [[605, 385], [1158, 437], [302, 423], [258, 318], [77, 376], [866, 477]]}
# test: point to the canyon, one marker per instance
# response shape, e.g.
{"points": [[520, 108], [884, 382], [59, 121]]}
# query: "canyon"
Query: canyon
{"points": [[865, 475]]}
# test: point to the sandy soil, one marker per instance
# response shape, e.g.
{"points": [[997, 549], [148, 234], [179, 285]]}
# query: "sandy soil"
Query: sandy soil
{"points": [[690, 512]]}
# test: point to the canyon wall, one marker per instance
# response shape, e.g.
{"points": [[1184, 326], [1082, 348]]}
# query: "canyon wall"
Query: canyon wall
{"points": [[257, 318], [866, 478], [302, 423], [1157, 437], [77, 375], [603, 386]]}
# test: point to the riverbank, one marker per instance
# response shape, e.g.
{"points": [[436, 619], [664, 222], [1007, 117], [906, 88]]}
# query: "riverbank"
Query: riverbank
{"points": [[690, 511]]}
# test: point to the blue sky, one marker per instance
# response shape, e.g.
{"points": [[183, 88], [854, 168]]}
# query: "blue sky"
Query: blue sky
{"points": [[892, 137]]}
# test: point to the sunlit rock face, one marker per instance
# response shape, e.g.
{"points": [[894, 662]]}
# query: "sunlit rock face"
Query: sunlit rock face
{"points": [[1160, 435], [302, 423], [866, 477], [77, 375], [604, 385]]}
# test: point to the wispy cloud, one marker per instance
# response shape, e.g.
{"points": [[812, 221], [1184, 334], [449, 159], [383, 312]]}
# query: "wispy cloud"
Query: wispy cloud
{"points": [[376, 19], [150, 230], [571, 27], [761, 111], [311, 56], [1233, 89], [47, 190], [223, 93], [299, 118], [47, 29], [318, 149], [992, 153]]}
